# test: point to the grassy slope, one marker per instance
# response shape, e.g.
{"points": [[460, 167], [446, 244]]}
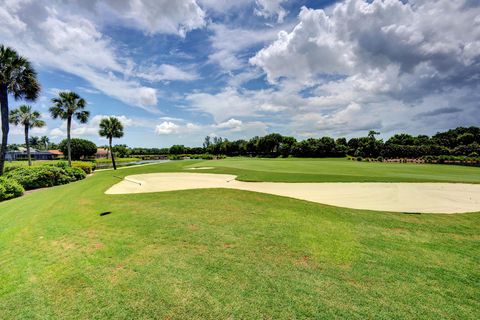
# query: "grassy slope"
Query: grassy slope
{"points": [[220, 253], [333, 170]]}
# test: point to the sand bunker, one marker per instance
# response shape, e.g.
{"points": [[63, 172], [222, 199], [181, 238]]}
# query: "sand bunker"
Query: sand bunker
{"points": [[399, 197], [201, 168]]}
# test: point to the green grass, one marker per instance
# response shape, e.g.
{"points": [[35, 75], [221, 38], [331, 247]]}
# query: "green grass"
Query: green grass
{"points": [[340, 170], [216, 254]]}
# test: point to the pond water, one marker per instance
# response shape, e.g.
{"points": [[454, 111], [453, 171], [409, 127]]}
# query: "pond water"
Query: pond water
{"points": [[125, 164]]}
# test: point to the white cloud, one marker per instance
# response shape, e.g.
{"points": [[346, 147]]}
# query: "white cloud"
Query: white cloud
{"points": [[151, 16], [229, 43], [166, 72], [358, 37], [89, 129], [166, 127], [58, 39], [56, 133], [232, 124], [58, 36], [271, 8], [224, 6], [357, 62]]}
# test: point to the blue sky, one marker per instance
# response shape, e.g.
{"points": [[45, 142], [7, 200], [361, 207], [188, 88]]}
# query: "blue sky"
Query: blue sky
{"points": [[175, 71]]}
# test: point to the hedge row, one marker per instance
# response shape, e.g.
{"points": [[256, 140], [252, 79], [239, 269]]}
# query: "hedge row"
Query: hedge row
{"points": [[16, 181]]}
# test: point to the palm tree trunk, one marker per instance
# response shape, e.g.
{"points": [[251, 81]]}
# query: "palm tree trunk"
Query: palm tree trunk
{"points": [[111, 153], [5, 124], [69, 150], [27, 143]]}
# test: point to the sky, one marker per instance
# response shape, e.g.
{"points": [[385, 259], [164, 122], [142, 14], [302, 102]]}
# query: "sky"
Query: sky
{"points": [[176, 71]]}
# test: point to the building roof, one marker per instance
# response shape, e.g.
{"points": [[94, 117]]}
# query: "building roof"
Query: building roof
{"points": [[102, 151], [56, 152]]}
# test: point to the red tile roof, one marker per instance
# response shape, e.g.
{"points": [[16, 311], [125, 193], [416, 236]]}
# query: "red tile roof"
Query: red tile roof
{"points": [[56, 152]]}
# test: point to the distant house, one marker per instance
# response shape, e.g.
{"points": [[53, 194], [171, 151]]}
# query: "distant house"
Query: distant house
{"points": [[101, 153], [56, 153], [21, 154]]}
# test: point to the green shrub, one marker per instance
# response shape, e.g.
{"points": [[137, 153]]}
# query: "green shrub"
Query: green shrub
{"points": [[359, 159], [86, 166], [39, 177], [75, 174], [9, 189]]}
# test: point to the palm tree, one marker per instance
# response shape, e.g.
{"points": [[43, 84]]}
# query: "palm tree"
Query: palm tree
{"points": [[66, 106], [34, 141], [111, 128], [18, 78], [45, 142], [28, 118]]}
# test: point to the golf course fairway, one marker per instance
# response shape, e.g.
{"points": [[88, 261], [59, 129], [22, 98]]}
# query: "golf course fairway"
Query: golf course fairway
{"points": [[74, 252]]}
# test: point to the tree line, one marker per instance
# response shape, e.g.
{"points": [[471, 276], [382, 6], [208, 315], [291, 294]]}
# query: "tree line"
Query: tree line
{"points": [[458, 142]]}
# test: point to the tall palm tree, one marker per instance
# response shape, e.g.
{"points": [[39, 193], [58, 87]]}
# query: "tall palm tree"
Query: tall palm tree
{"points": [[66, 106], [29, 119], [45, 142], [18, 78], [111, 128]]}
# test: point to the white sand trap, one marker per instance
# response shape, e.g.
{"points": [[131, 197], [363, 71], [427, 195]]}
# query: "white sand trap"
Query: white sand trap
{"points": [[399, 197], [201, 168]]}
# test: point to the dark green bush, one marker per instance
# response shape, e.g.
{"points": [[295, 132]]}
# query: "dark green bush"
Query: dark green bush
{"points": [[9, 189], [40, 177], [75, 174], [81, 148], [359, 158]]}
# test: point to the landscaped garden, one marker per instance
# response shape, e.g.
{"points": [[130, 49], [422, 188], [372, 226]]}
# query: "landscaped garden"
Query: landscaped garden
{"points": [[217, 253]]}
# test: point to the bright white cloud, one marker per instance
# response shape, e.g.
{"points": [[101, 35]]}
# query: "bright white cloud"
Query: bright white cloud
{"points": [[232, 124], [166, 127]]}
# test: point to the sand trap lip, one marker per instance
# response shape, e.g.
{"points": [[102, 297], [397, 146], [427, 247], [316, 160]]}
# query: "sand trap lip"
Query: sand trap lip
{"points": [[397, 197], [201, 168]]}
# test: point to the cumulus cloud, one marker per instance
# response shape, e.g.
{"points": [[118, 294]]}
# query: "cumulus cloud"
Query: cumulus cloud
{"points": [[383, 57], [166, 127], [422, 38], [232, 124]]}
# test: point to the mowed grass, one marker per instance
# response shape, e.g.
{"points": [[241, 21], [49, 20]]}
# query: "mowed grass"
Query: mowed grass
{"points": [[218, 254], [340, 170]]}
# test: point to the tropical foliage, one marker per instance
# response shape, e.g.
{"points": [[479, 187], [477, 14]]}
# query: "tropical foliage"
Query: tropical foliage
{"points": [[79, 148], [68, 106], [28, 118], [111, 128], [19, 79]]}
